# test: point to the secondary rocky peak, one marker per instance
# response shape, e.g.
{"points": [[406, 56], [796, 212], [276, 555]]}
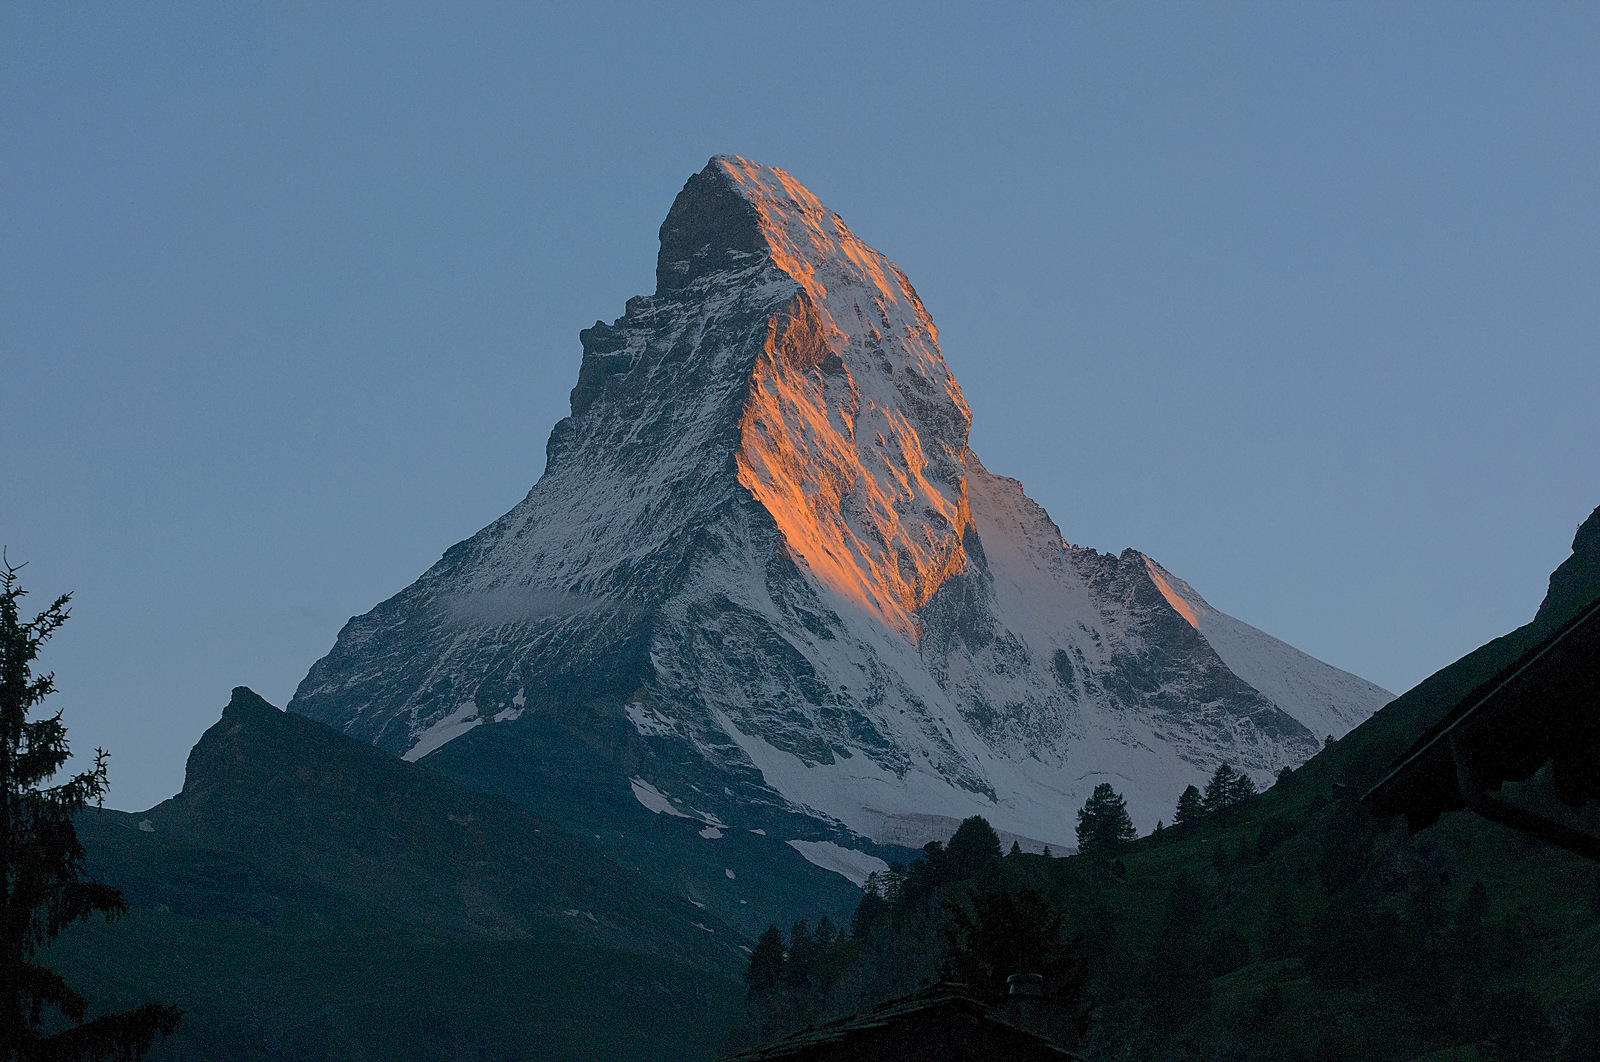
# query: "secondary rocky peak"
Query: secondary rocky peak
{"points": [[711, 226]]}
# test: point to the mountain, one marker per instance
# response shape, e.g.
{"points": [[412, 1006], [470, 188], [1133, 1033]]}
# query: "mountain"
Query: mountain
{"points": [[765, 602], [309, 896]]}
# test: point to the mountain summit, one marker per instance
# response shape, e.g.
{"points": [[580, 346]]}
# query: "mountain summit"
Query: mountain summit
{"points": [[764, 584]]}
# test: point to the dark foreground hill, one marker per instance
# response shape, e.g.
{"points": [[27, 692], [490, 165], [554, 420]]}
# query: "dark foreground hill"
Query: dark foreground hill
{"points": [[308, 896], [1296, 926]]}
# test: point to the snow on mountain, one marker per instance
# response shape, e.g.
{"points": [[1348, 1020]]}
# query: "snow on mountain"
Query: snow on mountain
{"points": [[847, 862], [1324, 699], [763, 566]]}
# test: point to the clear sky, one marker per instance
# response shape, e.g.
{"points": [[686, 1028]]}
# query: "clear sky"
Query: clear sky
{"points": [[1301, 300]]}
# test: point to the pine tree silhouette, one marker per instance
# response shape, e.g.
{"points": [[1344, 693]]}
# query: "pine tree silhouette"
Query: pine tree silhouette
{"points": [[1103, 823], [45, 890], [1191, 808]]}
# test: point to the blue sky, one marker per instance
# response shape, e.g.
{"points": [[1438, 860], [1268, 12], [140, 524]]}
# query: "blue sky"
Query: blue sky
{"points": [[1301, 300]]}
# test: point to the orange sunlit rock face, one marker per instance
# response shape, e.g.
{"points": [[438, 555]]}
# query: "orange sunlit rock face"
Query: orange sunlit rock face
{"points": [[854, 433], [1182, 607]]}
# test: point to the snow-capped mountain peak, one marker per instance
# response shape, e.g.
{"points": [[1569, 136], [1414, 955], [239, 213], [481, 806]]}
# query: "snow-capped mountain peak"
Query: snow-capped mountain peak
{"points": [[763, 566]]}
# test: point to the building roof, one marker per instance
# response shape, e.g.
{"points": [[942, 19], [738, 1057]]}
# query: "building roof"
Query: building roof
{"points": [[1543, 708], [941, 1021]]}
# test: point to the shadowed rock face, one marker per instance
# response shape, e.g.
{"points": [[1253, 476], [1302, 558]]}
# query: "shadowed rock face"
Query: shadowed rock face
{"points": [[764, 573], [708, 228]]}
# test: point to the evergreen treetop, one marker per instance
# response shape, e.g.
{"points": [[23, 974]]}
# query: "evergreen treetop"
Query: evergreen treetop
{"points": [[1191, 807], [974, 847], [1103, 823], [1227, 789], [766, 961]]}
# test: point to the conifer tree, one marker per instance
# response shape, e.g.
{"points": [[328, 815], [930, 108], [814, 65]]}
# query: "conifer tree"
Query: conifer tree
{"points": [[1191, 808], [45, 890], [974, 847], [1219, 789], [766, 961], [1103, 823], [1227, 789], [871, 908], [997, 933], [1174, 964], [802, 954], [767, 1007]]}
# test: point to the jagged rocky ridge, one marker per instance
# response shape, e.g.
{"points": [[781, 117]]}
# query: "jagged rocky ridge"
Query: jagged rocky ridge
{"points": [[764, 584]]}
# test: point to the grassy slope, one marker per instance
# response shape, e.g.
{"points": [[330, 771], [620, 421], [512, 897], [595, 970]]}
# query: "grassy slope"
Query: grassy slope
{"points": [[1546, 892]]}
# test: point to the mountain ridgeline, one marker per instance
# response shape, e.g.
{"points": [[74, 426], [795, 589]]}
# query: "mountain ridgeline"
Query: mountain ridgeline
{"points": [[765, 590]]}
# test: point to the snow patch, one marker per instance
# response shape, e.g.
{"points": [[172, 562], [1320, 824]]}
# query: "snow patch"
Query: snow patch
{"points": [[649, 722], [711, 833], [452, 726], [852, 864], [654, 799]]}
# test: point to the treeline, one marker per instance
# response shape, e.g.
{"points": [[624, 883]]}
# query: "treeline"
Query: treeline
{"points": [[959, 912], [1226, 795], [1284, 926]]}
